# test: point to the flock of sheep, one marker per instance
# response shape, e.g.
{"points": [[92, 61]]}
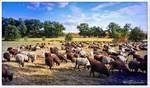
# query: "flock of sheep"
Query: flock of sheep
{"points": [[103, 59]]}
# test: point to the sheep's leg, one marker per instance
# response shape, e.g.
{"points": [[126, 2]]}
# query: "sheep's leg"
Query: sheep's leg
{"points": [[90, 73], [93, 74], [111, 70], [85, 66], [79, 67], [75, 66]]}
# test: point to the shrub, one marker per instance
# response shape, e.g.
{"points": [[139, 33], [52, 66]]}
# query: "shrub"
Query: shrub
{"points": [[43, 38], [68, 37], [26, 39]]}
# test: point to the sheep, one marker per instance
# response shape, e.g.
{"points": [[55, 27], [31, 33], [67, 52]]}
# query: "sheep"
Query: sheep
{"points": [[6, 74], [135, 55], [122, 58], [133, 65], [13, 52], [6, 56], [118, 64], [70, 56], [20, 58], [31, 56], [143, 64], [60, 55], [107, 59], [48, 60], [56, 59], [97, 66], [98, 57], [136, 65], [81, 61]]}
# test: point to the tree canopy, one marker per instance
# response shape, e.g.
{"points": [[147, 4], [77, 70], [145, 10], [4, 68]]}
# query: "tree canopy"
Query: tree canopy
{"points": [[136, 35]]}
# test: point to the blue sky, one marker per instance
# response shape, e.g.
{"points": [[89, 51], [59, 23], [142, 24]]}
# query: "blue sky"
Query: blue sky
{"points": [[71, 14]]}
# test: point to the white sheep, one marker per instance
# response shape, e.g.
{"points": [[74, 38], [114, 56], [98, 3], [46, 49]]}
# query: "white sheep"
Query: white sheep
{"points": [[81, 61]]}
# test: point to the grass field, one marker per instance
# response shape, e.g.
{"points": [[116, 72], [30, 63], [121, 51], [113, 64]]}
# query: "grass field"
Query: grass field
{"points": [[62, 39]]}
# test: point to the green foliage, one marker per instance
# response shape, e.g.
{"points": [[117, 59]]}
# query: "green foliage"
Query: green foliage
{"points": [[25, 38], [43, 38], [33, 26], [119, 34], [85, 30], [112, 29], [11, 33], [68, 37], [137, 34], [53, 29], [22, 27]]}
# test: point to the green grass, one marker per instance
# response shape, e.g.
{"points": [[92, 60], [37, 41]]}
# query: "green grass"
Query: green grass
{"points": [[62, 39]]}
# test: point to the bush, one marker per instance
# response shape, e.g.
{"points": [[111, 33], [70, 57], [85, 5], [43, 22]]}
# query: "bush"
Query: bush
{"points": [[26, 39], [43, 38], [68, 37]]}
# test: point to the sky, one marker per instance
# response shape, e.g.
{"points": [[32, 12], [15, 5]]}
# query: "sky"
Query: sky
{"points": [[71, 14]]}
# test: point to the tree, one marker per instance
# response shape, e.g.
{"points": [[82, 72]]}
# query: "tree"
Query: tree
{"points": [[119, 34], [68, 37], [112, 29], [97, 31], [22, 27], [136, 35], [33, 26], [11, 33], [53, 29], [84, 29]]}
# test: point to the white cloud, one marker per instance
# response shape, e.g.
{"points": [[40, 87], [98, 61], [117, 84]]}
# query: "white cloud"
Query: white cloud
{"points": [[75, 10], [133, 10], [49, 8], [63, 4], [35, 4], [103, 6], [47, 5]]}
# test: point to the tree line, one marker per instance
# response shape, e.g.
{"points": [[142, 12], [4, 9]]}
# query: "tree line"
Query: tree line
{"points": [[118, 33], [13, 29]]}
